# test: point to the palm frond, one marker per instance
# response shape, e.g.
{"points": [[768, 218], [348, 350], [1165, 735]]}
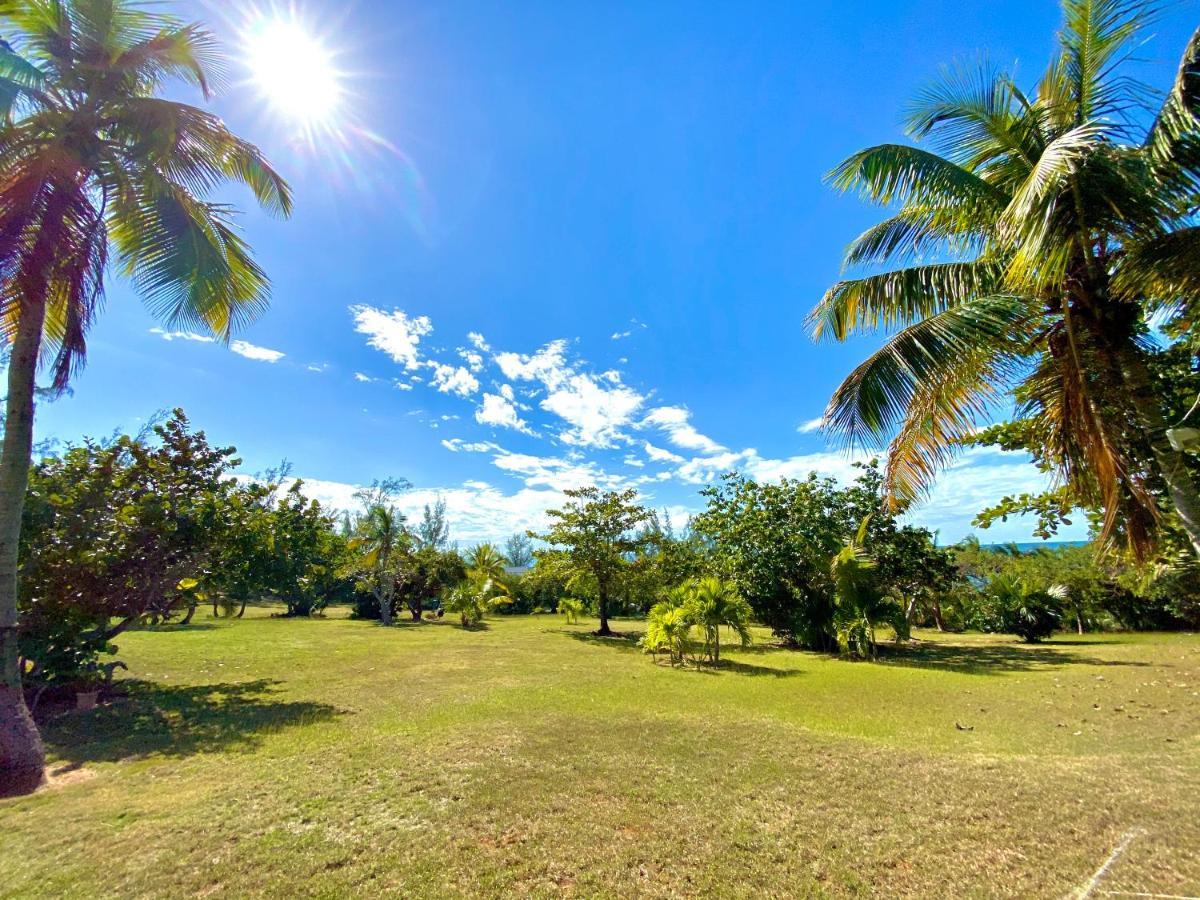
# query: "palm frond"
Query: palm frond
{"points": [[898, 298], [892, 173], [876, 396]]}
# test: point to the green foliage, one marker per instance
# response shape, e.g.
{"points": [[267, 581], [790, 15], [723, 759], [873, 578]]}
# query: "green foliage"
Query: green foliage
{"points": [[708, 604], [474, 598], [571, 609], [591, 540], [110, 532], [860, 603], [1011, 606], [1030, 244], [774, 542]]}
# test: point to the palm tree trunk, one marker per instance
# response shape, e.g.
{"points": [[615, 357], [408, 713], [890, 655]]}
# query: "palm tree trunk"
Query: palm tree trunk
{"points": [[717, 644], [1171, 464], [22, 757]]}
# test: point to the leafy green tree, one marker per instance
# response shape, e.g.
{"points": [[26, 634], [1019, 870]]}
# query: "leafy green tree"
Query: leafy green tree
{"points": [[92, 159], [307, 554], [379, 537], [596, 531], [426, 574], [1058, 231], [115, 532]]}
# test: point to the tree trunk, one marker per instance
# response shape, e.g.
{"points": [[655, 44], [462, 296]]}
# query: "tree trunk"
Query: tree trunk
{"points": [[1171, 464], [385, 609], [187, 620], [603, 604], [717, 644], [22, 757], [242, 611]]}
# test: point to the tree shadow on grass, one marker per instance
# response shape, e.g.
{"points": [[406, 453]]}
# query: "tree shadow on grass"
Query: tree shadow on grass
{"points": [[628, 643], [991, 659], [179, 720]]}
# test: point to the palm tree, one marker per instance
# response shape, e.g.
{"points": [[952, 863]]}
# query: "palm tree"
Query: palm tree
{"points": [[93, 161], [380, 536], [717, 603], [1055, 229], [485, 561]]}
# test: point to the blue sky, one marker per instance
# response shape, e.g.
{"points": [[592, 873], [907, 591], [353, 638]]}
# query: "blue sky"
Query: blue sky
{"points": [[562, 243]]}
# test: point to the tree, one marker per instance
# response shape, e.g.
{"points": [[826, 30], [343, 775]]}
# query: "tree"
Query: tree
{"points": [[1059, 230], [519, 550], [485, 561], [717, 604], [307, 554], [595, 530], [434, 530], [427, 574], [92, 159], [669, 625], [379, 538], [115, 532]]}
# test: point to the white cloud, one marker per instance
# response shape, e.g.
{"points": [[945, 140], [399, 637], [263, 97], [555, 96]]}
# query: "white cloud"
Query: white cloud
{"points": [[595, 413], [810, 426], [260, 354], [658, 454], [477, 341], [553, 472], [499, 411], [314, 367], [621, 335], [675, 422], [365, 379], [395, 333], [548, 365], [454, 380], [454, 445], [473, 359], [402, 385], [183, 336]]}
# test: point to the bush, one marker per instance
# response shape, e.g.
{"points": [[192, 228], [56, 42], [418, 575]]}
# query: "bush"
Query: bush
{"points": [[1009, 606]]}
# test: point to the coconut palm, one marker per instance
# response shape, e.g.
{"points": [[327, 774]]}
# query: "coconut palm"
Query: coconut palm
{"points": [[380, 537], [485, 561], [859, 604], [94, 163], [1031, 238], [717, 604]]}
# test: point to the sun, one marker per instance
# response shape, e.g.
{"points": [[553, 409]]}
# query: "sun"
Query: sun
{"points": [[294, 71]]}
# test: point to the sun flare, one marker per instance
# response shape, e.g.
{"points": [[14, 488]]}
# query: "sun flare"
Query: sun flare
{"points": [[294, 71]]}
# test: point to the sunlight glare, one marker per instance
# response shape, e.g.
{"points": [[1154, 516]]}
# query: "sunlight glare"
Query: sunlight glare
{"points": [[294, 71]]}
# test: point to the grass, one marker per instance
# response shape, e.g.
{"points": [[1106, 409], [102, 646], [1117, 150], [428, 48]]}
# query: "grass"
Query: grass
{"points": [[327, 757]]}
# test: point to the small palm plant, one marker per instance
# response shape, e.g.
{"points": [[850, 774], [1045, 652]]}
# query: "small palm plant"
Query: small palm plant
{"points": [[474, 598], [669, 626], [571, 609], [860, 605], [717, 603]]}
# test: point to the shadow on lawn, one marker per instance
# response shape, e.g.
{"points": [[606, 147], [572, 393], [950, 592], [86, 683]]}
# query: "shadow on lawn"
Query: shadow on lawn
{"points": [[179, 720], [628, 642], [991, 659]]}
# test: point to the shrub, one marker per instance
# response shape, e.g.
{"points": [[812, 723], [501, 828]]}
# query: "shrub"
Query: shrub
{"points": [[571, 609]]}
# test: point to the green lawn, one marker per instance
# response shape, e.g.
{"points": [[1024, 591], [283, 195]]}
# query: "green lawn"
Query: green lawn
{"points": [[327, 757]]}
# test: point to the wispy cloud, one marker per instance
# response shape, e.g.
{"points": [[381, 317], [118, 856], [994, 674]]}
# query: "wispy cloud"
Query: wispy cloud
{"points": [[810, 426], [253, 351], [183, 336]]}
